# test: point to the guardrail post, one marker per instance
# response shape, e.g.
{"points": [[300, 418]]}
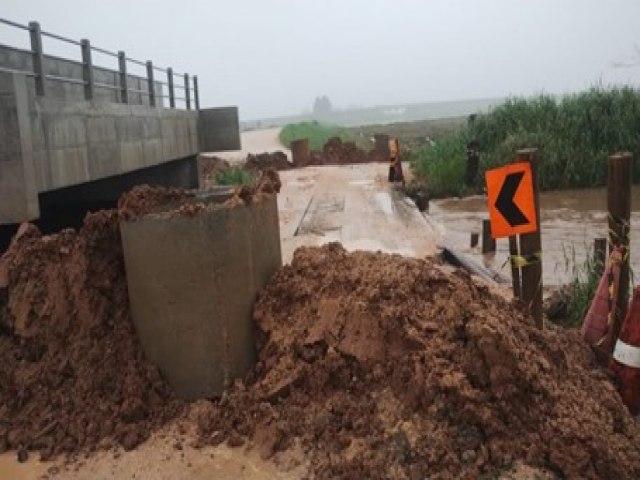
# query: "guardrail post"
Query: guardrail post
{"points": [[36, 53], [531, 246], [196, 95], [488, 242], [151, 84], [87, 68], [187, 91], [619, 206], [124, 88], [172, 97]]}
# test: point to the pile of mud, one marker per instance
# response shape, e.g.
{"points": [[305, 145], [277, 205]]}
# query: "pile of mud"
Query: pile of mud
{"points": [[379, 366], [144, 199], [337, 152], [334, 152], [276, 160], [72, 374], [211, 167]]}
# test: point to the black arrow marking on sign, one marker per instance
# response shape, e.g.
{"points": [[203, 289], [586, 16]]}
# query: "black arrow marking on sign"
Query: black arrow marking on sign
{"points": [[504, 203]]}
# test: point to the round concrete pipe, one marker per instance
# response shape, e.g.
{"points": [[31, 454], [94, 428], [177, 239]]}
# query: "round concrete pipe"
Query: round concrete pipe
{"points": [[192, 284]]}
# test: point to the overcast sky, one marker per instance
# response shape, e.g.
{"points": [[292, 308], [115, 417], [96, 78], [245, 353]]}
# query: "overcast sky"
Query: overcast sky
{"points": [[273, 57]]}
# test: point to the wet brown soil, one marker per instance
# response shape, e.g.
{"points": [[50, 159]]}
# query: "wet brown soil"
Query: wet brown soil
{"points": [[334, 152], [390, 367], [72, 374]]}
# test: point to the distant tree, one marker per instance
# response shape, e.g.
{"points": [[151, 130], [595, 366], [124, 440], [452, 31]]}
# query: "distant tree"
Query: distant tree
{"points": [[322, 106]]}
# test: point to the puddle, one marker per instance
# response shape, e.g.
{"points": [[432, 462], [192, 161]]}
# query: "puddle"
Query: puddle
{"points": [[384, 202], [571, 220], [11, 469], [362, 183]]}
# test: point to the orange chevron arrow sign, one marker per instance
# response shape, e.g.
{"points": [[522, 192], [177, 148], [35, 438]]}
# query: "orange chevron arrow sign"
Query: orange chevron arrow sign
{"points": [[511, 205]]}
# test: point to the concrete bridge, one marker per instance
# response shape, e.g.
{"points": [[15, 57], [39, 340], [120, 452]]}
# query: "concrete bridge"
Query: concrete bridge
{"points": [[74, 136]]}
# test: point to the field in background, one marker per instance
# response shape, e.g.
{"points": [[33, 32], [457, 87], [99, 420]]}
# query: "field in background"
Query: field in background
{"points": [[575, 134], [317, 133], [382, 114], [412, 135]]}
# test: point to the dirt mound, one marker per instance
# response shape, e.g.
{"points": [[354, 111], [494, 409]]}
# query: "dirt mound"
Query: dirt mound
{"points": [[334, 152], [211, 167], [337, 152], [72, 374], [389, 367], [275, 160], [144, 199]]}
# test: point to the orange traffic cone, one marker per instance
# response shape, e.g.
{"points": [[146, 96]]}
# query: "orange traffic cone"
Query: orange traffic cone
{"points": [[625, 363], [596, 327]]}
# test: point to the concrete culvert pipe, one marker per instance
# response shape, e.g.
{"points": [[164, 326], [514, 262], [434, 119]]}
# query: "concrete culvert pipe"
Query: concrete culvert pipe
{"points": [[193, 273]]}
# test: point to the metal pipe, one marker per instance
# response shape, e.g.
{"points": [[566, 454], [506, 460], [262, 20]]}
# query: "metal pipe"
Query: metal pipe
{"points": [[13, 24], [61, 38]]}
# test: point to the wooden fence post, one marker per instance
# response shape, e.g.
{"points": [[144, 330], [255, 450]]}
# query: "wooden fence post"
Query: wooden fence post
{"points": [[488, 242], [619, 207], [474, 239], [531, 247]]}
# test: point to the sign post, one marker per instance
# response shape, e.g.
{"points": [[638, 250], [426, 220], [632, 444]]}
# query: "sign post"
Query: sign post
{"points": [[514, 209]]}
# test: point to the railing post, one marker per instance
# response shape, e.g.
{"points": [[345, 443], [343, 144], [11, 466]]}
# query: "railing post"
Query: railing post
{"points": [[196, 94], [151, 84], [172, 97], [619, 206], [531, 246], [36, 53], [87, 69], [187, 91], [488, 242], [124, 88]]}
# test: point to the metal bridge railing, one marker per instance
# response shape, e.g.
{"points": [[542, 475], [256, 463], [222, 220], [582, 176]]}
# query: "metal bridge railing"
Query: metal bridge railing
{"points": [[190, 84]]}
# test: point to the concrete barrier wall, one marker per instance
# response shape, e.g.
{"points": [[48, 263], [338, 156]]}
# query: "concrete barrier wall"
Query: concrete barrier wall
{"points": [[219, 129], [18, 189], [18, 59], [64, 143], [192, 284]]}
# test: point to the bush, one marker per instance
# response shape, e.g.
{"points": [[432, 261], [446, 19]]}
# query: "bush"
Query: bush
{"points": [[234, 175], [443, 167], [574, 135]]}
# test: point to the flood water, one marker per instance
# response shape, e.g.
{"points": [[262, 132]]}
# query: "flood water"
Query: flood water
{"points": [[571, 220]]}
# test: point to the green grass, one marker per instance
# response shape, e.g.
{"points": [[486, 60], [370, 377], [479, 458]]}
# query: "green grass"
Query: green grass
{"points": [[441, 167], [411, 135], [317, 133], [582, 288], [574, 135], [234, 175]]}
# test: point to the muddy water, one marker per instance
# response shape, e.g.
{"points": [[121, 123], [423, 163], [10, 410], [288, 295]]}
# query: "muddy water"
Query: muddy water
{"points": [[571, 219]]}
